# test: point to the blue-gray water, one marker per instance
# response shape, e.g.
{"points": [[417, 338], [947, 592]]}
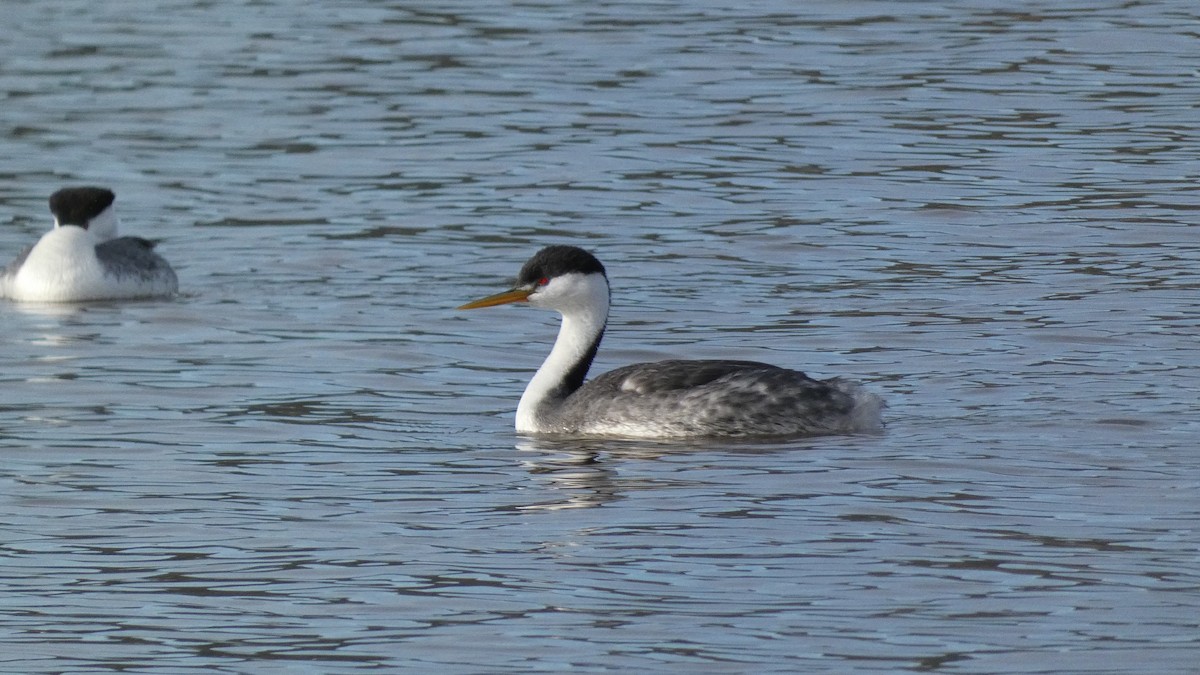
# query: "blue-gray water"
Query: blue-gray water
{"points": [[305, 463]]}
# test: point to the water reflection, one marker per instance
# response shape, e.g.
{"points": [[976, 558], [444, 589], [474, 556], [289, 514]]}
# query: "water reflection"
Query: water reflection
{"points": [[52, 310], [578, 477], [596, 472], [588, 472]]}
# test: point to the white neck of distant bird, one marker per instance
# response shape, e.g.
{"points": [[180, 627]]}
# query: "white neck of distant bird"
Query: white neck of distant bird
{"points": [[103, 227], [582, 328]]}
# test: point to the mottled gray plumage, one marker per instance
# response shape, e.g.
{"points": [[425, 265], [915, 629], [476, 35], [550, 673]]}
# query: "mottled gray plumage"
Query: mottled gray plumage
{"points": [[721, 398], [133, 257]]}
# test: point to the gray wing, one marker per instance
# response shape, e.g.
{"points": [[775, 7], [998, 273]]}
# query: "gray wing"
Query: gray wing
{"points": [[663, 377], [716, 397], [133, 257]]}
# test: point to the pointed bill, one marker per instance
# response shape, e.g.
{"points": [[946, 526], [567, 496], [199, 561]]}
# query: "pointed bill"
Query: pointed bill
{"points": [[515, 295]]}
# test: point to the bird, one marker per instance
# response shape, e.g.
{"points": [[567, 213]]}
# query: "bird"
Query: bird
{"points": [[666, 399], [82, 258]]}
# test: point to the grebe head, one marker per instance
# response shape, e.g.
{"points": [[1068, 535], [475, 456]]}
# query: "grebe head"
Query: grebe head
{"points": [[564, 278], [90, 208]]}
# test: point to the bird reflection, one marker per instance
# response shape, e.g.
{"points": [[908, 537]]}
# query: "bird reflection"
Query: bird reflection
{"points": [[583, 470]]}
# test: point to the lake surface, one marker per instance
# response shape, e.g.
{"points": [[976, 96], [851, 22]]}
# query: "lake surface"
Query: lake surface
{"points": [[306, 462]]}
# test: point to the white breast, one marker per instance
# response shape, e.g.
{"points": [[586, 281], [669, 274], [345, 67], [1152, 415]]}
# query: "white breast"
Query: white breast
{"points": [[61, 266]]}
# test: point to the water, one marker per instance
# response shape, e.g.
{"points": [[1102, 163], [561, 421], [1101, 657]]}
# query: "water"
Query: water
{"points": [[305, 463]]}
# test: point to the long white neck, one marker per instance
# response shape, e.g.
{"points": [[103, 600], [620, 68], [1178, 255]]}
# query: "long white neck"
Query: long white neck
{"points": [[583, 320]]}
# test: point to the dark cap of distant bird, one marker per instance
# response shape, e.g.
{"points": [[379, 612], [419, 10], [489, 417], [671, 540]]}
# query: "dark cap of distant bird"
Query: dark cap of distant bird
{"points": [[78, 205]]}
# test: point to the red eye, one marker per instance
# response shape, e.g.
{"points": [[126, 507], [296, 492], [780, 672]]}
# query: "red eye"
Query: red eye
{"points": [[543, 281]]}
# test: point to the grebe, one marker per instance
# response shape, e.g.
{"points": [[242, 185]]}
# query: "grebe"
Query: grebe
{"points": [[82, 258], [666, 399]]}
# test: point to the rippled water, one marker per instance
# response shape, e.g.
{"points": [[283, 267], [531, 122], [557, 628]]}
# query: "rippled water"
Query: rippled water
{"points": [[305, 463]]}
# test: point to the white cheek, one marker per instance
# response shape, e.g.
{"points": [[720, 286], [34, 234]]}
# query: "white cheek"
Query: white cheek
{"points": [[572, 293], [546, 301], [549, 294]]}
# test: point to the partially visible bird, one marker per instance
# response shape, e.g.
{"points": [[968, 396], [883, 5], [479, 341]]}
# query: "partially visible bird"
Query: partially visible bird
{"points": [[82, 258]]}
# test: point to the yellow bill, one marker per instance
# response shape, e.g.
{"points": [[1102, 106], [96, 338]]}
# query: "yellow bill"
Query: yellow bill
{"points": [[515, 295]]}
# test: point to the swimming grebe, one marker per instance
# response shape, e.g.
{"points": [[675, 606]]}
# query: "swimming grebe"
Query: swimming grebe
{"points": [[666, 399], [82, 258]]}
